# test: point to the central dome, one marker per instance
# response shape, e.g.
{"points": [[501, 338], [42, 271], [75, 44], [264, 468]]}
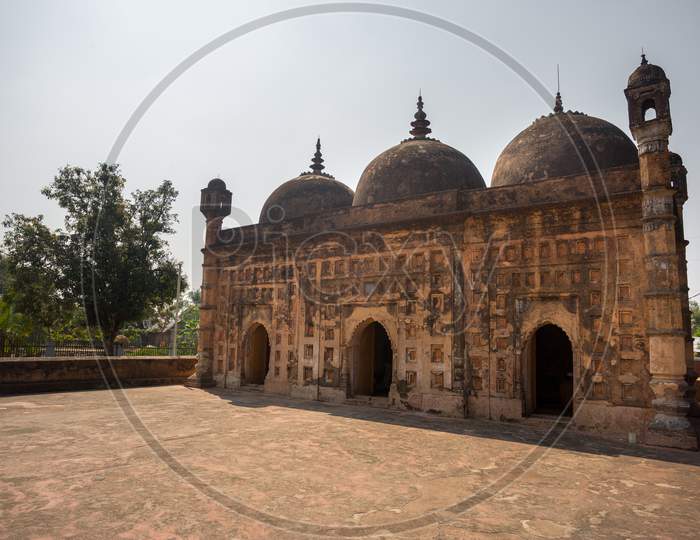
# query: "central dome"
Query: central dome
{"points": [[416, 166], [563, 144]]}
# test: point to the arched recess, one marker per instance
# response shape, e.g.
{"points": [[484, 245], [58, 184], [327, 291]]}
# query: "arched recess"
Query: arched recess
{"points": [[256, 359], [549, 371], [372, 362], [534, 314]]}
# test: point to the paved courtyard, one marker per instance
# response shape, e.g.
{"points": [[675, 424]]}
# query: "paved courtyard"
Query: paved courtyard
{"points": [[173, 462]]}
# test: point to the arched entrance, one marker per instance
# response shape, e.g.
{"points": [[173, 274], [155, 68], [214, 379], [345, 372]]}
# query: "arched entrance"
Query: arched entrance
{"points": [[550, 372], [373, 362], [257, 357]]}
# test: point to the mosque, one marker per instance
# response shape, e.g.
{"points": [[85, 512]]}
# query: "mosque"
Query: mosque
{"points": [[558, 292]]}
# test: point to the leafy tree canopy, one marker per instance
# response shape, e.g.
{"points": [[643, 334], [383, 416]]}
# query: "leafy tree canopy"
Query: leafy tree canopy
{"points": [[695, 317], [34, 274], [112, 259]]}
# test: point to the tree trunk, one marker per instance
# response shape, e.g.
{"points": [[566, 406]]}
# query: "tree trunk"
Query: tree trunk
{"points": [[109, 345], [109, 335], [108, 338]]}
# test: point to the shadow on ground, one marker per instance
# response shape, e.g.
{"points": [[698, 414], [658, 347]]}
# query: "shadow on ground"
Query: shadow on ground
{"points": [[541, 437]]}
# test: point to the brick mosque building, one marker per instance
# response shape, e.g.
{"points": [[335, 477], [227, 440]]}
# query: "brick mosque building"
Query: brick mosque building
{"points": [[561, 289]]}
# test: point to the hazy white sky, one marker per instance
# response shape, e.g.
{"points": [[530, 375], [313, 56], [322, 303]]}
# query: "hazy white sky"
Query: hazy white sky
{"points": [[73, 72]]}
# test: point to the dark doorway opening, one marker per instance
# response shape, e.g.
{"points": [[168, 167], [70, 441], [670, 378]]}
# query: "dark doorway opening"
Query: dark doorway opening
{"points": [[554, 371], [373, 362], [257, 357]]}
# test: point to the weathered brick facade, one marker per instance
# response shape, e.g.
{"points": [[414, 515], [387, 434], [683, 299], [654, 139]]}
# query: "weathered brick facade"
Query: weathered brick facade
{"points": [[462, 280]]}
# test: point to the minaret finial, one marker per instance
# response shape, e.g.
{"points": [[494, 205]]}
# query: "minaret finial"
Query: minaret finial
{"points": [[420, 124], [317, 161], [644, 57], [558, 106]]}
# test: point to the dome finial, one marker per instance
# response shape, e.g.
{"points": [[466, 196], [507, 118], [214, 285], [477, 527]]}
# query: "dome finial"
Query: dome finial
{"points": [[558, 106], [317, 161], [420, 124], [644, 58]]}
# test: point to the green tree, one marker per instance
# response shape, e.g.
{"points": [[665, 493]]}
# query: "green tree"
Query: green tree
{"points": [[161, 319], [189, 320], [695, 317], [72, 327], [117, 260], [110, 267], [33, 274], [13, 324], [195, 296]]}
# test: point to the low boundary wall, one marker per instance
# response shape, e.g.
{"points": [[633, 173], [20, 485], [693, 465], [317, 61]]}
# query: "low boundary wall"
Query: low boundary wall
{"points": [[27, 375]]}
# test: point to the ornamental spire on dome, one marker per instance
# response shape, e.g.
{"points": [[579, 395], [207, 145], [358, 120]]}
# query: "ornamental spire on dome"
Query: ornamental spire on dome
{"points": [[420, 124], [558, 106], [317, 161], [317, 165]]}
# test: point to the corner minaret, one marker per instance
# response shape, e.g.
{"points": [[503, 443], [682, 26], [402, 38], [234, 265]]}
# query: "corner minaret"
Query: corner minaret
{"points": [[648, 92], [215, 204]]}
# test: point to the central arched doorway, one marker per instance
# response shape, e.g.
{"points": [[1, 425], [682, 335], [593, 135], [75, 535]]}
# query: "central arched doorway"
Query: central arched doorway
{"points": [[551, 372], [373, 362], [257, 358]]}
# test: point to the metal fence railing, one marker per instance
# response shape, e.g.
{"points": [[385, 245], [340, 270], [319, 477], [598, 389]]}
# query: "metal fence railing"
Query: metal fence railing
{"points": [[10, 348], [150, 350]]}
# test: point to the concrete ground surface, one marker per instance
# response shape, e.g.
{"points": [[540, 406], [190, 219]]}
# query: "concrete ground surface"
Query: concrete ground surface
{"points": [[174, 462]]}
